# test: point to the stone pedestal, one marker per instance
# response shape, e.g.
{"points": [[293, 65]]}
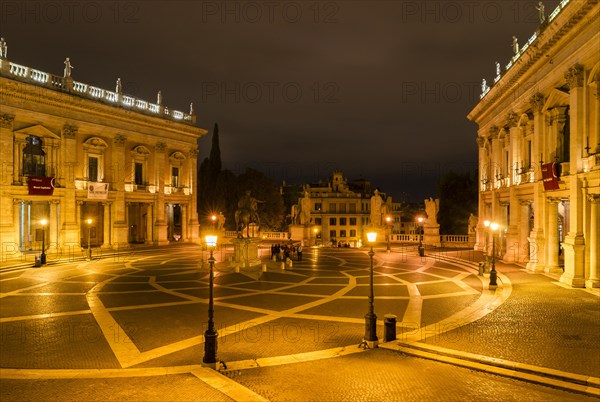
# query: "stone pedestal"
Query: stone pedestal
{"points": [[299, 232], [431, 236], [245, 252]]}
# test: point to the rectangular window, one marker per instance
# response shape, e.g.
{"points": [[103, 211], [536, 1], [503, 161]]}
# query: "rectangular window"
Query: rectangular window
{"points": [[92, 168], [318, 221], [332, 234], [332, 221], [174, 176], [139, 170], [342, 233], [332, 207], [352, 221], [318, 206], [352, 233], [342, 221]]}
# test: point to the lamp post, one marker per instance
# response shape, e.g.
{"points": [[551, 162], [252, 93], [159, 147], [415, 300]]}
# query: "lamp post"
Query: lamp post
{"points": [[89, 245], [210, 335], [43, 222], [370, 340], [213, 218], [421, 249], [493, 273], [388, 219]]}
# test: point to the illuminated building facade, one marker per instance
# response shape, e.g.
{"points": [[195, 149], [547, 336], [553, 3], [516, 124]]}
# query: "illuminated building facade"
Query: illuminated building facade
{"points": [[72, 152], [539, 148]]}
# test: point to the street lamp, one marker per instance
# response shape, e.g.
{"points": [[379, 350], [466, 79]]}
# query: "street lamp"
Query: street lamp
{"points": [[89, 245], [388, 219], [210, 335], [43, 222], [370, 340], [493, 274], [213, 218], [420, 219]]}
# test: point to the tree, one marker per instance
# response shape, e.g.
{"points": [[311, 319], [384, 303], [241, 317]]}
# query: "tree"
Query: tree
{"points": [[458, 199], [271, 210]]}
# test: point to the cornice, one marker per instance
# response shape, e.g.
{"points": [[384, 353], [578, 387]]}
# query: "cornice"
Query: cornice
{"points": [[28, 93]]}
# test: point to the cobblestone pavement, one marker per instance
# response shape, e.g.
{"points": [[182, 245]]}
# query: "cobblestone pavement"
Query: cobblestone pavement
{"points": [[132, 314]]}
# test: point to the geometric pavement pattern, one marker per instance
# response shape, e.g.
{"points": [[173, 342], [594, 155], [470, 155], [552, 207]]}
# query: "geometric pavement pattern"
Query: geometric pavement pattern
{"points": [[150, 309]]}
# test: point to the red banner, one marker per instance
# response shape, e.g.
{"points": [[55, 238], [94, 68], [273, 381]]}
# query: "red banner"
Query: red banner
{"points": [[40, 185], [550, 176]]}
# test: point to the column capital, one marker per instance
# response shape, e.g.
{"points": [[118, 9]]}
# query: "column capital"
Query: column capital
{"points": [[537, 102], [554, 200], [574, 76], [69, 131], [593, 198], [525, 203], [160, 146], [493, 133], [119, 140], [107, 203], [511, 120], [193, 153], [6, 120]]}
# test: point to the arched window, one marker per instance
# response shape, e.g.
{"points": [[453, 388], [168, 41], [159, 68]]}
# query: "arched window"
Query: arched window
{"points": [[34, 157]]}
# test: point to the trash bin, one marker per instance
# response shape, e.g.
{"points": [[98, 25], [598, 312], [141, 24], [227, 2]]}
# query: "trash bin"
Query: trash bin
{"points": [[389, 323], [421, 251], [38, 262]]}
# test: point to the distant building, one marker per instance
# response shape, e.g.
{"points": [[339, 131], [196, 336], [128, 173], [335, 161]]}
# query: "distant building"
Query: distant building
{"points": [[72, 152], [339, 211], [539, 149]]}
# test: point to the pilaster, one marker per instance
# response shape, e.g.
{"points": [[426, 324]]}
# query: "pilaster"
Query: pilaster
{"points": [[553, 240], [593, 280]]}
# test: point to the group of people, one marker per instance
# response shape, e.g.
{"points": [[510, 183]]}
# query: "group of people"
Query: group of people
{"points": [[285, 252]]}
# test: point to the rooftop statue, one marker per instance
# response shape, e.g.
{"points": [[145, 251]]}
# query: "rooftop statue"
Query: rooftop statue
{"points": [[3, 49], [159, 98], [497, 69], [542, 13], [515, 45], [68, 67], [119, 88]]}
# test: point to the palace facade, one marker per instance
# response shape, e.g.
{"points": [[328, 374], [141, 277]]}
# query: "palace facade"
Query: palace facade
{"points": [[340, 212], [82, 164], [539, 148]]}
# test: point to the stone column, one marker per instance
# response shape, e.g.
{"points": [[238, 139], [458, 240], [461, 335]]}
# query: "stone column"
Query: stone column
{"points": [[9, 166], [160, 221], [511, 254], [149, 224], [119, 208], [107, 224], [574, 244], [552, 245], [524, 230], [483, 166], [53, 225], [194, 225], [594, 278], [184, 226]]}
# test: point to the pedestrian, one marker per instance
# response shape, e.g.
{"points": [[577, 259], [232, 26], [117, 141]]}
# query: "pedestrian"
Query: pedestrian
{"points": [[299, 251]]}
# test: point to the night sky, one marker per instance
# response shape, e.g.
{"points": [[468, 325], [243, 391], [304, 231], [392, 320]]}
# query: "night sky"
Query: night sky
{"points": [[378, 89]]}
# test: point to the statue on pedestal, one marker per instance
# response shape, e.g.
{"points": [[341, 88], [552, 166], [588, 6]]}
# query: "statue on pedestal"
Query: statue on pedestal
{"points": [[431, 209], [376, 206], [304, 213], [472, 224], [220, 221], [246, 213]]}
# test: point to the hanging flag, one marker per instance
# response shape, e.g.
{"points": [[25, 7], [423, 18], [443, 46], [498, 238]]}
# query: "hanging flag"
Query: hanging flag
{"points": [[40, 185], [550, 176], [98, 191]]}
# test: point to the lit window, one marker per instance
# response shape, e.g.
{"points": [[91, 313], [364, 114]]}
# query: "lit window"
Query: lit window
{"points": [[34, 158]]}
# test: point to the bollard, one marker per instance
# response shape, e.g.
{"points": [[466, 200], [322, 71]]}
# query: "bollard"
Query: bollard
{"points": [[481, 268], [283, 266], [389, 323], [264, 267], [38, 262], [237, 267]]}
